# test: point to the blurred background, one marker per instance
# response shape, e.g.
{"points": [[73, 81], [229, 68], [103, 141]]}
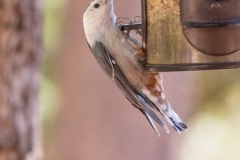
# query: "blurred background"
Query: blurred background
{"points": [[85, 117]]}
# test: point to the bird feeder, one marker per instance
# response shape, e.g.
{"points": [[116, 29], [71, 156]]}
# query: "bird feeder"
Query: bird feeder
{"points": [[181, 35]]}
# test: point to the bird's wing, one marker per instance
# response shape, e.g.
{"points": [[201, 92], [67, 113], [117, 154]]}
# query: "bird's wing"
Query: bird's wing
{"points": [[108, 64]]}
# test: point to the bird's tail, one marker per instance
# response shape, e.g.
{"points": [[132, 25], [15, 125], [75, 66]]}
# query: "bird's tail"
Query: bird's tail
{"points": [[171, 116]]}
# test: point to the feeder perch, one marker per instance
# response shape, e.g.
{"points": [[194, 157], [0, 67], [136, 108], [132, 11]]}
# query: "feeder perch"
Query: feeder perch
{"points": [[190, 34]]}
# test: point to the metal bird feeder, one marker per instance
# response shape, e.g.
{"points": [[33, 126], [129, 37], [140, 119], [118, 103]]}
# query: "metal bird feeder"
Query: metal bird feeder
{"points": [[181, 35]]}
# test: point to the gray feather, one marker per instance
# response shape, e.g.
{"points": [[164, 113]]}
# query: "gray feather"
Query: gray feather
{"points": [[108, 64]]}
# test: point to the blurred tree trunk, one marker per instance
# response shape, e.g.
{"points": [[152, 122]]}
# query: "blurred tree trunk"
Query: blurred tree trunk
{"points": [[20, 48]]}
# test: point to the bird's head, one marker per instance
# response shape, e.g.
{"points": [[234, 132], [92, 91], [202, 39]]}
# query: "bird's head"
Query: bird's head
{"points": [[98, 19], [98, 10]]}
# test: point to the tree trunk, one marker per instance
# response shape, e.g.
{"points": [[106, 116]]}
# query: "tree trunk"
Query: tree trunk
{"points": [[20, 48]]}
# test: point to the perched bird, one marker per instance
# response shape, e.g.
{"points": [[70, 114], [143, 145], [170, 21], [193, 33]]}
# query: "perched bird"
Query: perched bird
{"points": [[121, 59]]}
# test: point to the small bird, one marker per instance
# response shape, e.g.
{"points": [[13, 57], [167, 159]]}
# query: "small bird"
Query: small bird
{"points": [[122, 59]]}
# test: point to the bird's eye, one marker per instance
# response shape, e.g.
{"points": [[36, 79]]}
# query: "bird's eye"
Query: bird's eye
{"points": [[96, 5]]}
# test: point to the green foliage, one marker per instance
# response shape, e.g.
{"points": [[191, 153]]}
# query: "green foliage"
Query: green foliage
{"points": [[49, 86], [52, 23], [214, 131]]}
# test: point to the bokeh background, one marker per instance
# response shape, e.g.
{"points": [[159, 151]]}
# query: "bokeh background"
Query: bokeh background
{"points": [[85, 117]]}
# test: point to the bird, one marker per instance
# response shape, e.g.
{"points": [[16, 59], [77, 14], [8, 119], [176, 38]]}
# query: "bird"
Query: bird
{"points": [[121, 58]]}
